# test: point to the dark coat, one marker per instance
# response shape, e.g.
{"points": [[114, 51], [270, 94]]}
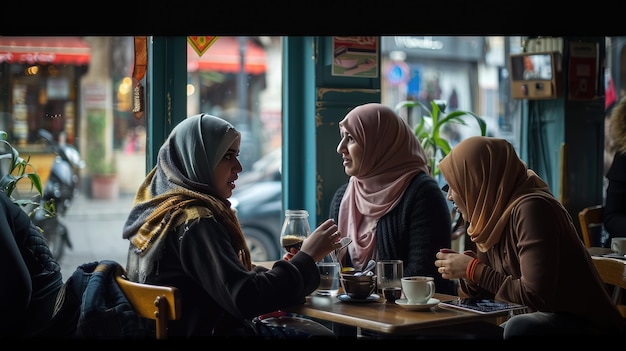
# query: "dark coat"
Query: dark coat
{"points": [[538, 262], [30, 277], [414, 230], [220, 296]]}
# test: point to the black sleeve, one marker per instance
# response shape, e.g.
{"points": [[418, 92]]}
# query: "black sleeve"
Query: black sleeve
{"points": [[208, 256]]}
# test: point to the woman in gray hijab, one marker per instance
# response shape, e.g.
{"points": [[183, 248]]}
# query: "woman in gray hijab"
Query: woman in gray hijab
{"points": [[184, 233]]}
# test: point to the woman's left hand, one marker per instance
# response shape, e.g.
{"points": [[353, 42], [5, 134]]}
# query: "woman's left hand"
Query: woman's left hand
{"points": [[452, 265]]}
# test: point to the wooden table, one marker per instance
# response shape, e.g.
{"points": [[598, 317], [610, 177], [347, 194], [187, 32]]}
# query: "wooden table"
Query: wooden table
{"points": [[598, 251], [385, 318]]}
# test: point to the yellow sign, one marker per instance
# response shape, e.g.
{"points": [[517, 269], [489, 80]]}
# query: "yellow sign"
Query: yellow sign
{"points": [[201, 43]]}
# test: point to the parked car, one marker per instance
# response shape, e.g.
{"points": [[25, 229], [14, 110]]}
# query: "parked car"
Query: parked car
{"points": [[259, 209], [258, 201]]}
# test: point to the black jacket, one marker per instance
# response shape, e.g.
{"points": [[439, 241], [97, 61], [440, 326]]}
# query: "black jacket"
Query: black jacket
{"points": [[30, 277], [414, 230], [220, 296]]}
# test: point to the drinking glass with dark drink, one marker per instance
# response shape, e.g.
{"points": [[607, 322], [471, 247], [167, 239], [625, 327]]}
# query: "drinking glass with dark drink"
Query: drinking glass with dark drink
{"points": [[294, 230]]}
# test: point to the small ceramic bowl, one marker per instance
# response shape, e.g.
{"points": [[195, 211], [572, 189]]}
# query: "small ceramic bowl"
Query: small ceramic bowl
{"points": [[358, 289], [392, 294]]}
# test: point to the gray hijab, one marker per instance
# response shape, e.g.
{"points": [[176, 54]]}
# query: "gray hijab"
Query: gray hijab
{"points": [[200, 142], [182, 178]]}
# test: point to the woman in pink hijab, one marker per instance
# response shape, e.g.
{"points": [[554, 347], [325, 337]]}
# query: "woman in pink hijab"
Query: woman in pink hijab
{"points": [[391, 207]]}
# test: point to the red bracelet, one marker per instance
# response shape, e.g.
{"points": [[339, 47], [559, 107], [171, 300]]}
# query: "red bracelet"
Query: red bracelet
{"points": [[471, 267]]}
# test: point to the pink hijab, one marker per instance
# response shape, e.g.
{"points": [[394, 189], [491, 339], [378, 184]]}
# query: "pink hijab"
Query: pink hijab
{"points": [[392, 157]]}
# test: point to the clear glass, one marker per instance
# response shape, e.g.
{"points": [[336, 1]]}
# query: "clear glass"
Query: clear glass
{"points": [[389, 274], [295, 229], [329, 278]]}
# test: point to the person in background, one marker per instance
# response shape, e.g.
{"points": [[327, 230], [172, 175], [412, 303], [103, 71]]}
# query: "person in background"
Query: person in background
{"points": [[30, 278], [615, 203], [184, 233], [391, 207], [529, 251]]}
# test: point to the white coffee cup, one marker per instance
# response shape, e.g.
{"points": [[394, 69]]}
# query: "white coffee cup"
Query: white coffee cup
{"points": [[418, 289], [618, 245]]}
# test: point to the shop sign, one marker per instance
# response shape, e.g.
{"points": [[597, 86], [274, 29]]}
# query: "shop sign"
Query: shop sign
{"points": [[44, 50], [467, 48]]}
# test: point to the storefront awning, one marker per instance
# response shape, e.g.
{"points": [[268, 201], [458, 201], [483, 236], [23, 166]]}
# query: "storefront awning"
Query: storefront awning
{"points": [[50, 50], [224, 56]]}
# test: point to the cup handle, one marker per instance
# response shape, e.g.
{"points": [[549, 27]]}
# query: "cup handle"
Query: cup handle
{"points": [[614, 247], [431, 286]]}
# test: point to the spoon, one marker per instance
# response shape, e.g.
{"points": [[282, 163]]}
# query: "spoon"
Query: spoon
{"points": [[368, 268], [345, 241]]}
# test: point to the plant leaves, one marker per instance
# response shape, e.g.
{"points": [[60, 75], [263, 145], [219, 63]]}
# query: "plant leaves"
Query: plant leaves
{"points": [[429, 126]]}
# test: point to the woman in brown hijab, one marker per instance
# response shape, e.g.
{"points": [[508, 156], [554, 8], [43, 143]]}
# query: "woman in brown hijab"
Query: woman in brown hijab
{"points": [[529, 251]]}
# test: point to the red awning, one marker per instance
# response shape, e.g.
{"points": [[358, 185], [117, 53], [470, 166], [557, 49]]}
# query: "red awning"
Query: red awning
{"points": [[53, 50], [224, 56]]}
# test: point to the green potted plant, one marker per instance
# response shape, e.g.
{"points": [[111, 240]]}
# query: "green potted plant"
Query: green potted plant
{"points": [[429, 128], [14, 168]]}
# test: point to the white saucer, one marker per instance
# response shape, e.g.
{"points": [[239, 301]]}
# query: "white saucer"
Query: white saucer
{"points": [[417, 306], [346, 298]]}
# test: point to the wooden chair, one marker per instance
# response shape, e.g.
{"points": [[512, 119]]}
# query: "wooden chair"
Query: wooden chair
{"points": [[613, 273], [159, 303], [590, 221]]}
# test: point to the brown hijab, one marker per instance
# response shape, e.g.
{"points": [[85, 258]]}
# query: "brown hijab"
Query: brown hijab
{"points": [[490, 180]]}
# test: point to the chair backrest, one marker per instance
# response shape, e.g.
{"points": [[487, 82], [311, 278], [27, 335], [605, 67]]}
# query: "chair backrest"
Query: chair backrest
{"points": [[613, 273], [590, 219], [156, 302]]}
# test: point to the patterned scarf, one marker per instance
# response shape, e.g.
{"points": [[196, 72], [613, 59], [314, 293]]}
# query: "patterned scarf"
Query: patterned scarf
{"points": [[167, 199]]}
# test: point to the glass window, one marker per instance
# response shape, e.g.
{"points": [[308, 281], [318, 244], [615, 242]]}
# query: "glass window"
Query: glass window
{"points": [[67, 85], [470, 73]]}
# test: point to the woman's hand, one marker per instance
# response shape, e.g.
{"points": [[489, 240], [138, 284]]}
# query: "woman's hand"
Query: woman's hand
{"points": [[292, 252], [451, 264], [323, 240]]}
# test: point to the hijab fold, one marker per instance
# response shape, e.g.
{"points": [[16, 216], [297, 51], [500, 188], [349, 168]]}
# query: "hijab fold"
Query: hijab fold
{"points": [[392, 156], [490, 180]]}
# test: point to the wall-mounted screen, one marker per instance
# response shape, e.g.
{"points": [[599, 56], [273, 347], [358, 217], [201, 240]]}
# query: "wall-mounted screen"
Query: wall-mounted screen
{"points": [[536, 75], [532, 67]]}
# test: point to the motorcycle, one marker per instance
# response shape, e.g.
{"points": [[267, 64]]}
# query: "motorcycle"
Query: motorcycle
{"points": [[60, 189]]}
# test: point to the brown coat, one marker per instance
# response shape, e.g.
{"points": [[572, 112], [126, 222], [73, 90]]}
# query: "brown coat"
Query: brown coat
{"points": [[541, 262]]}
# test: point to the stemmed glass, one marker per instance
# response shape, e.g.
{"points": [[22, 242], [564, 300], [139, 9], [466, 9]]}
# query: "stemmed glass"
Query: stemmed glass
{"points": [[294, 230]]}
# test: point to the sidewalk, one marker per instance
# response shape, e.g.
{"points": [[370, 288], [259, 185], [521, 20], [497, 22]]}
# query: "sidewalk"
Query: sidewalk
{"points": [[85, 208], [95, 230]]}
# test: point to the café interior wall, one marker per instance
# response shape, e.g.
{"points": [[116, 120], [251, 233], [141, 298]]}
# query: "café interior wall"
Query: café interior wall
{"points": [[563, 140]]}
